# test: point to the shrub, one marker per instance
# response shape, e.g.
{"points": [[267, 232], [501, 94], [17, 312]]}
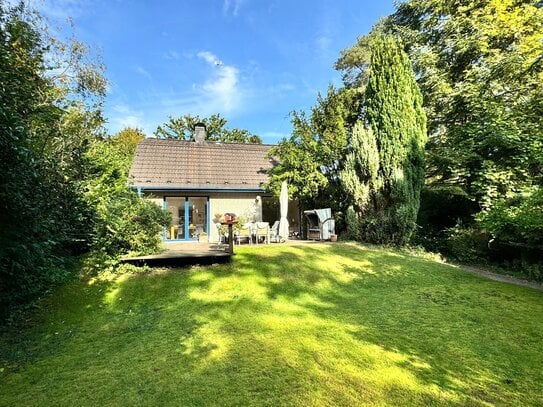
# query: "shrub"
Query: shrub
{"points": [[442, 208], [518, 220], [468, 245], [352, 225], [129, 224], [534, 271]]}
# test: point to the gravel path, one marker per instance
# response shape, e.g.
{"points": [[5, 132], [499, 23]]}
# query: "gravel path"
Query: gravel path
{"points": [[502, 277]]}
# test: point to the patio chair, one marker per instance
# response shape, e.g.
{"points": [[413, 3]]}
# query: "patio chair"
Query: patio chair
{"points": [[220, 233], [262, 230], [245, 233], [274, 233]]}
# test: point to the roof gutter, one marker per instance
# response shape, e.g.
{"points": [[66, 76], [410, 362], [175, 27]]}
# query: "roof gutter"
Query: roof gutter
{"points": [[141, 189]]}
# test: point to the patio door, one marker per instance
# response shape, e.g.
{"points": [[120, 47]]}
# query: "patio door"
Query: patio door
{"points": [[189, 217], [197, 216]]}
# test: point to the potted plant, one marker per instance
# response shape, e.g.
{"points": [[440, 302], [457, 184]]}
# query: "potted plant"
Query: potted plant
{"points": [[203, 238]]}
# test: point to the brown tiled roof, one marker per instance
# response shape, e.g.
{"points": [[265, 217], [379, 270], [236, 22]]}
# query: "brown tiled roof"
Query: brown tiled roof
{"points": [[178, 164]]}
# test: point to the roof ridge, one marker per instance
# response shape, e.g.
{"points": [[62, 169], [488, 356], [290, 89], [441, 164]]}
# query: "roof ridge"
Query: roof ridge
{"points": [[205, 142]]}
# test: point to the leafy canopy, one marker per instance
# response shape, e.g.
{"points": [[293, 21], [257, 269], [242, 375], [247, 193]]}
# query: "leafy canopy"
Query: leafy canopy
{"points": [[479, 64], [182, 128], [50, 102], [311, 158]]}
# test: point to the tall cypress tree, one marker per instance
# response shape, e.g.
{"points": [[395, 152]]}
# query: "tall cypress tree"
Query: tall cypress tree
{"points": [[396, 119]]}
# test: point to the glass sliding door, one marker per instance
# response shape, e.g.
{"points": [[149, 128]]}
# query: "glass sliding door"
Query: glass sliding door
{"points": [[176, 206], [189, 217], [197, 216]]}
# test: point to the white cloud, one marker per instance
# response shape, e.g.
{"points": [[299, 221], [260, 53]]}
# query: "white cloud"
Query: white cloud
{"points": [[172, 55], [231, 7], [209, 58], [142, 71], [221, 90], [60, 9], [123, 116]]}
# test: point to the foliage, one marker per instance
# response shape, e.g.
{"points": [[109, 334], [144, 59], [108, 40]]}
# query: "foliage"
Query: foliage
{"points": [[182, 128], [352, 225], [481, 72], [50, 102], [128, 224], [518, 221], [310, 159], [297, 162], [384, 169], [360, 176], [354, 62], [123, 223], [534, 271], [442, 208], [467, 244], [479, 65], [282, 325], [127, 139]]}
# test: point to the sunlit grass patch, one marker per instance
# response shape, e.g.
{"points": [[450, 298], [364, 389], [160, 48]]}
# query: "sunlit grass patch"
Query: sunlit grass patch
{"points": [[323, 324]]}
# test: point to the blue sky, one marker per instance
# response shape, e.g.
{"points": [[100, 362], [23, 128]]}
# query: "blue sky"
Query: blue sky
{"points": [[252, 61]]}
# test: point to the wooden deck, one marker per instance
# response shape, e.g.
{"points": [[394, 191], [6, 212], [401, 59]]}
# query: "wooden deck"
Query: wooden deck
{"points": [[187, 254], [183, 254]]}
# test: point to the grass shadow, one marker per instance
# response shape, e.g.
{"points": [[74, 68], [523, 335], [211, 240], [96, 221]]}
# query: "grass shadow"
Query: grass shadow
{"points": [[283, 325]]}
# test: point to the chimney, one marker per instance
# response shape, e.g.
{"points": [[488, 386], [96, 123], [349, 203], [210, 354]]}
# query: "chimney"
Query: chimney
{"points": [[199, 132]]}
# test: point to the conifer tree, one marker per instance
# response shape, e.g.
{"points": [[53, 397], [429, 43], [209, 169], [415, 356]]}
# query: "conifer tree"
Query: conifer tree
{"points": [[360, 174], [384, 171]]}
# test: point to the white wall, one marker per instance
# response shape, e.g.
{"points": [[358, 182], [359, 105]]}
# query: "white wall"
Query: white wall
{"points": [[244, 205]]}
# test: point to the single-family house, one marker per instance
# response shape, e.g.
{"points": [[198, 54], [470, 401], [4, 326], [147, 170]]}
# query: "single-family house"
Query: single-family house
{"points": [[196, 181]]}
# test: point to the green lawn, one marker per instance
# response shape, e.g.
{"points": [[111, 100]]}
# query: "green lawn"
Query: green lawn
{"points": [[323, 325]]}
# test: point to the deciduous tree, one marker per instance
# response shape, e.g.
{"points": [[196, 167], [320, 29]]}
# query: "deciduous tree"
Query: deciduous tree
{"points": [[311, 158], [479, 64], [50, 98], [182, 128]]}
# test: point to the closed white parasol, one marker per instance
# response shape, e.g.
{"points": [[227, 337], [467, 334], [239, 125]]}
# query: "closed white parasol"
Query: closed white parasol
{"points": [[283, 202]]}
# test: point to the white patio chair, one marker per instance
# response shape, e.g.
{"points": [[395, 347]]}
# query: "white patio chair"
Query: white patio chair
{"points": [[245, 233], [274, 233], [262, 230]]}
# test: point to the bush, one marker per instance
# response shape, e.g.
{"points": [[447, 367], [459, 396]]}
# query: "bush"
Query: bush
{"points": [[534, 271], [129, 224], [352, 225], [518, 221], [468, 245], [442, 208]]}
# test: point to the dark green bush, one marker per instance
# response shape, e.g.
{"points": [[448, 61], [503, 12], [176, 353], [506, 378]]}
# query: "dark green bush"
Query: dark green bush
{"points": [[352, 225], [534, 271], [442, 208], [518, 221], [467, 244], [129, 224]]}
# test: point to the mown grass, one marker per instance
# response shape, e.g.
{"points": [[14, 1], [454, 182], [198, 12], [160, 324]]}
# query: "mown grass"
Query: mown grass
{"points": [[282, 325]]}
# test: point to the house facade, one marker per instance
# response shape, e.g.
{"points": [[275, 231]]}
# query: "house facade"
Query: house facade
{"points": [[197, 181]]}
